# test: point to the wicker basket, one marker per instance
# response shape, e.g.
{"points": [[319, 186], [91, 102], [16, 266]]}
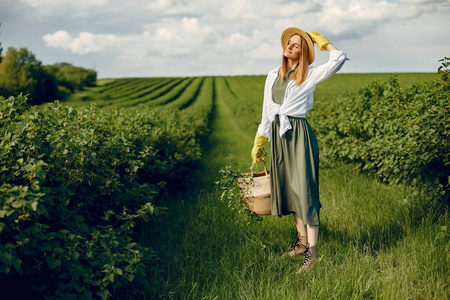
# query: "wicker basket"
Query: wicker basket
{"points": [[255, 190]]}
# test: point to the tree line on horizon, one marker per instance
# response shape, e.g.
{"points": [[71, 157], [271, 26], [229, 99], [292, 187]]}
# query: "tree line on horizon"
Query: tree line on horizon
{"points": [[22, 73]]}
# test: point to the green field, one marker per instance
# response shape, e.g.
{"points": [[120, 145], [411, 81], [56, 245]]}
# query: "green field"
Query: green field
{"points": [[376, 240]]}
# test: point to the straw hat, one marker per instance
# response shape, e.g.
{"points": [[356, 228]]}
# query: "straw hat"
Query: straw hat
{"points": [[289, 32]]}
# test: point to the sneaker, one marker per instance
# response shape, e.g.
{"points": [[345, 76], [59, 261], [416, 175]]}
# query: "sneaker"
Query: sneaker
{"points": [[308, 260], [299, 246]]}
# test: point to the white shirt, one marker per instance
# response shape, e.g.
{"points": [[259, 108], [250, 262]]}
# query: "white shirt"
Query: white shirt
{"points": [[297, 99]]}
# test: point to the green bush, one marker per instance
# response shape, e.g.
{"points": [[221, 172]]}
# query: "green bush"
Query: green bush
{"points": [[21, 72], [399, 135], [71, 77], [74, 184]]}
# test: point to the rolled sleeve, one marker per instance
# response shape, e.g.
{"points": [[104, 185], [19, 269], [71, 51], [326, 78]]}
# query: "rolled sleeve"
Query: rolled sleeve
{"points": [[335, 62], [336, 55]]}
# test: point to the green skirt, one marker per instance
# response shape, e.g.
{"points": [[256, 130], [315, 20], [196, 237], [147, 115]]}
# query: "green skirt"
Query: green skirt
{"points": [[294, 171]]}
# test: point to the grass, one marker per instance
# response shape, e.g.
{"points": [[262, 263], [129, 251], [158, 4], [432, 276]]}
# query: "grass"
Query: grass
{"points": [[376, 241]]}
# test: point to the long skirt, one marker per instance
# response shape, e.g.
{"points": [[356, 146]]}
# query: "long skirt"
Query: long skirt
{"points": [[294, 171]]}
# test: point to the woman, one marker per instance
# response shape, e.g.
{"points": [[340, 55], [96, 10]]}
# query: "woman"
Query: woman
{"points": [[294, 160]]}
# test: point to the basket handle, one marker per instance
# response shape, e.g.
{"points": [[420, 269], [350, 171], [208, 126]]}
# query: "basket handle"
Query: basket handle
{"points": [[265, 167]]}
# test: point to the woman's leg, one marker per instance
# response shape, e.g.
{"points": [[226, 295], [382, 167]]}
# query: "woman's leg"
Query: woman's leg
{"points": [[301, 228], [302, 239], [313, 235], [311, 250]]}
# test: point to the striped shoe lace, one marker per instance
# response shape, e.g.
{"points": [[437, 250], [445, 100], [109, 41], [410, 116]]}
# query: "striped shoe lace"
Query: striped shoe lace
{"points": [[297, 243], [307, 259]]}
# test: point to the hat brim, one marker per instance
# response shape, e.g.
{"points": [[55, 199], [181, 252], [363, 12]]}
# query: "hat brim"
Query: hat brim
{"points": [[289, 32]]}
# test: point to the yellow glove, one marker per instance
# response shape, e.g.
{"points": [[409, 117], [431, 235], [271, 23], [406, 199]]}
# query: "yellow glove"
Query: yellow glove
{"points": [[256, 151], [319, 39]]}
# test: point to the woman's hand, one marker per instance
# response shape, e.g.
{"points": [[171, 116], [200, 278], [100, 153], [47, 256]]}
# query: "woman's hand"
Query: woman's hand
{"points": [[256, 151], [321, 41]]}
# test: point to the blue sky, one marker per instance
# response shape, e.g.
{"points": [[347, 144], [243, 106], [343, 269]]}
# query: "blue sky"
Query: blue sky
{"points": [[142, 38]]}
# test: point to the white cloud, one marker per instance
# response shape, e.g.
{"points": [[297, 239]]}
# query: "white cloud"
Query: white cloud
{"points": [[266, 51], [240, 9], [59, 39], [180, 7], [257, 9], [59, 3], [252, 46], [353, 19], [194, 32], [190, 25], [425, 1], [182, 37], [86, 42], [164, 4], [238, 39], [167, 35], [89, 42], [187, 31]]}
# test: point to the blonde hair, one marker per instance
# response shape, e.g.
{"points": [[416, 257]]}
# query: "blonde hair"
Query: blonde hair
{"points": [[301, 71]]}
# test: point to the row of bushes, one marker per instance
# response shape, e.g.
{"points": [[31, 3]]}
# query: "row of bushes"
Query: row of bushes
{"points": [[21, 72], [74, 185], [401, 135]]}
